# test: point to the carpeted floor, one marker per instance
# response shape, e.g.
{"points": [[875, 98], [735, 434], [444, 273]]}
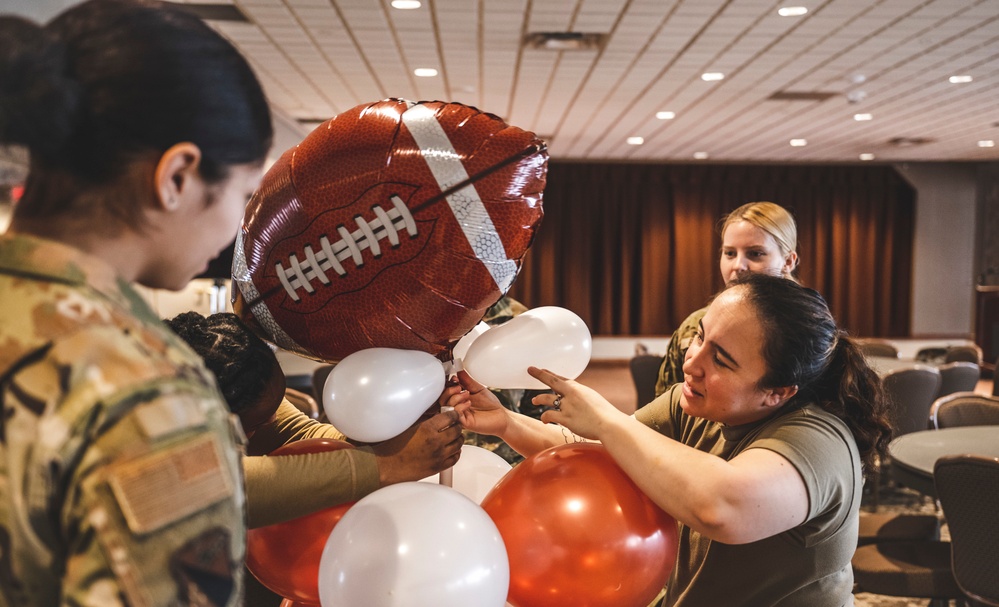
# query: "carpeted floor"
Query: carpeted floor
{"points": [[900, 500]]}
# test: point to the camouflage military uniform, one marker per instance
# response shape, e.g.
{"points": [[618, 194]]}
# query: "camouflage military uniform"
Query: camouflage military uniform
{"points": [[671, 371], [120, 481]]}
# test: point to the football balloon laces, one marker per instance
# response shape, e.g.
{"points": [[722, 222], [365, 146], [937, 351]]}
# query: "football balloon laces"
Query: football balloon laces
{"points": [[300, 273]]}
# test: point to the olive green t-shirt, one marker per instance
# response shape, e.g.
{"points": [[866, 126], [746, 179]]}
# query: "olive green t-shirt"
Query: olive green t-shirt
{"points": [[808, 565]]}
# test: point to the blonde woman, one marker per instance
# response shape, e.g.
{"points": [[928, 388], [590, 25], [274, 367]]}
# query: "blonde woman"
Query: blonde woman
{"points": [[758, 237]]}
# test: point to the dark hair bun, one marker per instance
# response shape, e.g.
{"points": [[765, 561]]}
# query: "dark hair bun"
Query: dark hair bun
{"points": [[38, 102]]}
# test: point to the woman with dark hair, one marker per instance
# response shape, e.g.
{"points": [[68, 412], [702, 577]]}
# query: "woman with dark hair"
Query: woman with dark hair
{"points": [[120, 476], [759, 454]]}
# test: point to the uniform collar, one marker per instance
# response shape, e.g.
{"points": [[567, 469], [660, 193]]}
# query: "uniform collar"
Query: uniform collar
{"points": [[47, 260]]}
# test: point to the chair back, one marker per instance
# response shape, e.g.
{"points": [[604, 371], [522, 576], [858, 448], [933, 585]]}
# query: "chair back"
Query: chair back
{"points": [[968, 489], [912, 391], [958, 376], [965, 409], [932, 355], [969, 354], [878, 347], [645, 373]]}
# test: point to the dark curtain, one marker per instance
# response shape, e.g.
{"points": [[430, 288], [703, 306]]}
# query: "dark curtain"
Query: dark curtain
{"points": [[633, 249]]}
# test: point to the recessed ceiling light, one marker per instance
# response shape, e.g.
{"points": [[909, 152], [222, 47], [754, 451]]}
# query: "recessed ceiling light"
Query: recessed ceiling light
{"points": [[712, 76], [701, 155], [565, 41], [635, 140], [406, 5], [425, 72], [792, 11], [960, 79], [862, 117], [799, 143], [665, 115], [867, 156], [986, 143], [856, 96]]}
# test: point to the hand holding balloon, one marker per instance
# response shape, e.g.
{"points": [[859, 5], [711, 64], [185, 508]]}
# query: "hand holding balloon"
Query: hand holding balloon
{"points": [[478, 409], [579, 408], [423, 449]]}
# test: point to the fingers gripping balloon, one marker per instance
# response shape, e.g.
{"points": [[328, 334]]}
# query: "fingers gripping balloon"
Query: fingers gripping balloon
{"points": [[395, 224]]}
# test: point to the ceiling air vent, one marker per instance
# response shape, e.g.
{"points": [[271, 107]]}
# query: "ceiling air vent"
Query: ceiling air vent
{"points": [[214, 12], [908, 142], [565, 41], [801, 96]]}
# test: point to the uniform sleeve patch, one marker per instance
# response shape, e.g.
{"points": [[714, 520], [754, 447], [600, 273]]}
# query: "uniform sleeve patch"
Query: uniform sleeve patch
{"points": [[161, 488], [168, 415]]}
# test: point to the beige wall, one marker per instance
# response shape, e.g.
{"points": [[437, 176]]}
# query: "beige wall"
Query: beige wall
{"points": [[944, 248]]}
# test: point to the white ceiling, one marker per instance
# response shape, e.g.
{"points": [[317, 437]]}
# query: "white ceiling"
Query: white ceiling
{"points": [[320, 57]]}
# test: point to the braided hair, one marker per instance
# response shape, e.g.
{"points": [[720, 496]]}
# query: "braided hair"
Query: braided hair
{"points": [[242, 362]]}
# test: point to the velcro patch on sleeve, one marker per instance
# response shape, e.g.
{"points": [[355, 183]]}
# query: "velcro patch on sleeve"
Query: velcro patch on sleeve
{"points": [[167, 415], [161, 488]]}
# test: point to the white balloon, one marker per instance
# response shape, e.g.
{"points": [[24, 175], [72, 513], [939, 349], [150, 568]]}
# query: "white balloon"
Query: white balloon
{"points": [[414, 545], [460, 348], [375, 394], [476, 473], [548, 337]]}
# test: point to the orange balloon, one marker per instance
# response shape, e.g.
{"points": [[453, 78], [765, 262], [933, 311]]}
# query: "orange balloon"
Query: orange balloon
{"points": [[578, 531], [285, 556]]}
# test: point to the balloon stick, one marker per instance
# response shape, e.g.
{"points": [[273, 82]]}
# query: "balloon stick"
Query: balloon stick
{"points": [[447, 476]]}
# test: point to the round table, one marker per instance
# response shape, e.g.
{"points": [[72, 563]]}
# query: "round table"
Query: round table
{"points": [[913, 455], [883, 364]]}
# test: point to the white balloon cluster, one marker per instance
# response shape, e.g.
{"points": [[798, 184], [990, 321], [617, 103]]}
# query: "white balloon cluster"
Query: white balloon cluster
{"points": [[375, 394], [424, 544]]}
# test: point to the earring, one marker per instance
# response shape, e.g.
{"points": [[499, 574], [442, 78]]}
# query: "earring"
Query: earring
{"points": [[171, 203]]}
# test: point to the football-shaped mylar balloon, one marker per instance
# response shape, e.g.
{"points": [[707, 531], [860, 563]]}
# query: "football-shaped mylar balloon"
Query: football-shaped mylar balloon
{"points": [[394, 224]]}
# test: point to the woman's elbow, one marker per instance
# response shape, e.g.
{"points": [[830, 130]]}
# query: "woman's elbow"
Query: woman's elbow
{"points": [[722, 522]]}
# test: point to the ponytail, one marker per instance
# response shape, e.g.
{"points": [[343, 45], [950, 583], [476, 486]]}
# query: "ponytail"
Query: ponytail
{"points": [[859, 400], [805, 348]]}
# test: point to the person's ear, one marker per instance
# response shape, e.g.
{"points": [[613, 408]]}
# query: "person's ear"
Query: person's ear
{"points": [[176, 172], [790, 262], [778, 396]]}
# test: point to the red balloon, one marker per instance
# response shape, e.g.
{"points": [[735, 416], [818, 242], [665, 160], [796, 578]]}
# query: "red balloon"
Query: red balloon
{"points": [[395, 224], [578, 531], [285, 556], [291, 603]]}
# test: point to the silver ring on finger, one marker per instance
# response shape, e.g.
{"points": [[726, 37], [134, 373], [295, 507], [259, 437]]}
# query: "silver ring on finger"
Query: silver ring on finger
{"points": [[558, 403]]}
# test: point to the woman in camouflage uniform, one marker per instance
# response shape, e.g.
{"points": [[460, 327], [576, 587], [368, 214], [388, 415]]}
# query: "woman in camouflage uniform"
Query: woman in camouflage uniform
{"points": [[119, 468]]}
